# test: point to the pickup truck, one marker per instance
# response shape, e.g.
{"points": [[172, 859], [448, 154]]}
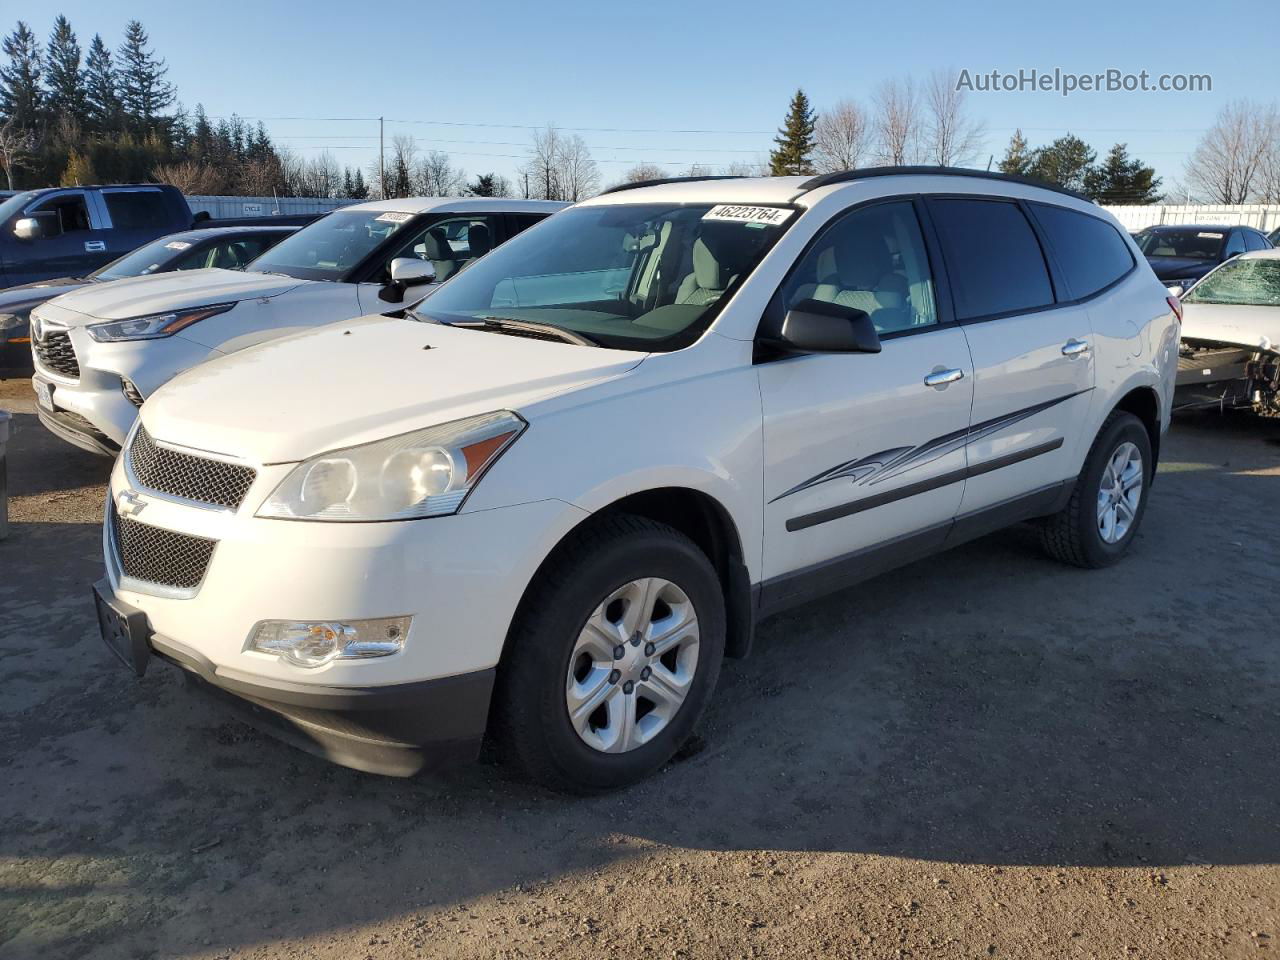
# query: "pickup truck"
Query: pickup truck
{"points": [[72, 231]]}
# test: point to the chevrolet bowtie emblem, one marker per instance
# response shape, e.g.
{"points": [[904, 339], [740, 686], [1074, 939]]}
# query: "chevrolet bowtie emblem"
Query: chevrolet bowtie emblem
{"points": [[129, 504]]}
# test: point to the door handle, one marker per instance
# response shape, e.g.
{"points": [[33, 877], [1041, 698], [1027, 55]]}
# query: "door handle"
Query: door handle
{"points": [[1074, 348], [940, 378]]}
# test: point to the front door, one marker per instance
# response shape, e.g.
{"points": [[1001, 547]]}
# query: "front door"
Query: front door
{"points": [[864, 454]]}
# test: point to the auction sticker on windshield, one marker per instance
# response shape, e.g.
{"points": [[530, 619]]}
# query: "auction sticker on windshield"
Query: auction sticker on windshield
{"points": [[394, 217], [769, 216]]}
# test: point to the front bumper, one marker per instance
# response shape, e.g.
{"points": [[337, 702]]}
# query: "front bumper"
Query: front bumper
{"points": [[396, 730]]}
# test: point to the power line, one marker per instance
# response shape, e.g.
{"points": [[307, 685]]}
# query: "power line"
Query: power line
{"points": [[505, 126]]}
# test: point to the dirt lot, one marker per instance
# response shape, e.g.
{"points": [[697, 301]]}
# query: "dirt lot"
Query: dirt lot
{"points": [[982, 754]]}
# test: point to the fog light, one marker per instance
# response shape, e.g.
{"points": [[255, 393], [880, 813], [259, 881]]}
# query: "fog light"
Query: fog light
{"points": [[313, 643]]}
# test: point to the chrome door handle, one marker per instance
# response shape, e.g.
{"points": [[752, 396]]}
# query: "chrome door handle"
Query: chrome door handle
{"points": [[940, 378], [1073, 348]]}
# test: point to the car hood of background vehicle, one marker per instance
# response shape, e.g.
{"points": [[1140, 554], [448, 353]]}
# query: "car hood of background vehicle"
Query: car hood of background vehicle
{"points": [[163, 292], [362, 380], [31, 293], [1228, 323], [1179, 268]]}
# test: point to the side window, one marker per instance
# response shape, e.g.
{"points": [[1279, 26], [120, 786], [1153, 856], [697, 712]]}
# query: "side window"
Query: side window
{"points": [[874, 260], [70, 210], [449, 244], [235, 253], [523, 221], [993, 257], [197, 259], [1255, 241], [1235, 244], [1089, 251], [137, 209]]}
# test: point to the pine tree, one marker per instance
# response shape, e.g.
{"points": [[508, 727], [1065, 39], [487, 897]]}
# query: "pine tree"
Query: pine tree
{"points": [[144, 92], [1064, 163], [1017, 156], [794, 140], [484, 186], [346, 183], [62, 77], [102, 99], [1119, 179], [359, 191], [21, 99], [200, 143]]}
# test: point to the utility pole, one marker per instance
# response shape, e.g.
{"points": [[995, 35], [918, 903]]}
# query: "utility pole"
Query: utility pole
{"points": [[382, 155]]}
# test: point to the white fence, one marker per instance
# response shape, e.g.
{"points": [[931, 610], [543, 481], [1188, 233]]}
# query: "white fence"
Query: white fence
{"points": [[1264, 216], [224, 208]]}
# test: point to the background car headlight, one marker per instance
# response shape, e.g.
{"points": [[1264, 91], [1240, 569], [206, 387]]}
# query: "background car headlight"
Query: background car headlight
{"points": [[426, 473], [155, 326]]}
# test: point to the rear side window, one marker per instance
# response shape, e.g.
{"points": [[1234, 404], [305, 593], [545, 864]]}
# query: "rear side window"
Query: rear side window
{"points": [[1255, 241], [993, 257], [1090, 252], [523, 221], [137, 209]]}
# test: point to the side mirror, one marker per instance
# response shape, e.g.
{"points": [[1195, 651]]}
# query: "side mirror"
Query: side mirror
{"points": [[1175, 290], [406, 272], [28, 228], [816, 326]]}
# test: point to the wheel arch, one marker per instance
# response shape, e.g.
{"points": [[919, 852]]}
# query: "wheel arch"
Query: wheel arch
{"points": [[705, 521], [1144, 403]]}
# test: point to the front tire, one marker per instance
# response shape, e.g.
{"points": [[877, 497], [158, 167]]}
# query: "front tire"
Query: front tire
{"points": [[1101, 520], [613, 656]]}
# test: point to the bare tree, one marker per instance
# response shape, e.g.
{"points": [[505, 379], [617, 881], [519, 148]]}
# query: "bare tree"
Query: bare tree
{"points": [[1229, 162], [579, 174], [322, 176], [699, 170], [952, 137], [400, 166], [193, 178], [436, 176], [746, 168], [896, 126], [559, 167], [16, 146], [841, 137], [1268, 190], [643, 171]]}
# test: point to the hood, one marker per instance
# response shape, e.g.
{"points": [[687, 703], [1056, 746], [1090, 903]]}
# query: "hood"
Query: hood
{"points": [[29, 294], [1179, 268], [161, 292], [362, 380], [1256, 327]]}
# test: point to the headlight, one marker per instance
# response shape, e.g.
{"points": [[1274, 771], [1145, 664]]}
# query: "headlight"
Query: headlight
{"points": [[426, 473], [155, 326], [313, 643]]}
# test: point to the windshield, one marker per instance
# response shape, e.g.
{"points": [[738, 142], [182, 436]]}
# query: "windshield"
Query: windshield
{"points": [[1193, 242], [328, 248], [1243, 282], [630, 276], [148, 258], [15, 203]]}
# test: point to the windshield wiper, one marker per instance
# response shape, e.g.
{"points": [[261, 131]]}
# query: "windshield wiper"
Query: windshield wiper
{"points": [[528, 326]]}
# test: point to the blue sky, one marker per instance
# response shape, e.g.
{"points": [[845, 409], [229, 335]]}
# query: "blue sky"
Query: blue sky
{"points": [[728, 67]]}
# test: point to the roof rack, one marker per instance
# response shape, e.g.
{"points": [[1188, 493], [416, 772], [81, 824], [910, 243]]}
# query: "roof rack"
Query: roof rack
{"points": [[662, 180], [846, 176]]}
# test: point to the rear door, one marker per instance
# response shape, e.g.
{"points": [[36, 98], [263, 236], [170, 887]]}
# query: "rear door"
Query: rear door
{"points": [[1031, 348], [864, 453], [135, 215]]}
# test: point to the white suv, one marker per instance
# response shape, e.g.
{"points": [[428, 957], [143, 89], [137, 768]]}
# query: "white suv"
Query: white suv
{"points": [[102, 349], [547, 502]]}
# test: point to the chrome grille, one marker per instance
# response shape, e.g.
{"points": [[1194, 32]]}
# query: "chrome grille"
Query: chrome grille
{"points": [[160, 556], [54, 351], [184, 475]]}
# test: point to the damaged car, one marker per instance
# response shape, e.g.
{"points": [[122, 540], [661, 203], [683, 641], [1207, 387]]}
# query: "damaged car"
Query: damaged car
{"points": [[1229, 357]]}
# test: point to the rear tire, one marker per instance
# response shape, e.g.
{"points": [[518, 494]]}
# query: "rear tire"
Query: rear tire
{"points": [[554, 663], [1101, 519]]}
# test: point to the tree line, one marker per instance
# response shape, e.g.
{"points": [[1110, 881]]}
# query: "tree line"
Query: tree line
{"points": [[72, 117]]}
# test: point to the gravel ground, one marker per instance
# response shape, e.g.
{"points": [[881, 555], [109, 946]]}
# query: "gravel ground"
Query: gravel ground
{"points": [[984, 754]]}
